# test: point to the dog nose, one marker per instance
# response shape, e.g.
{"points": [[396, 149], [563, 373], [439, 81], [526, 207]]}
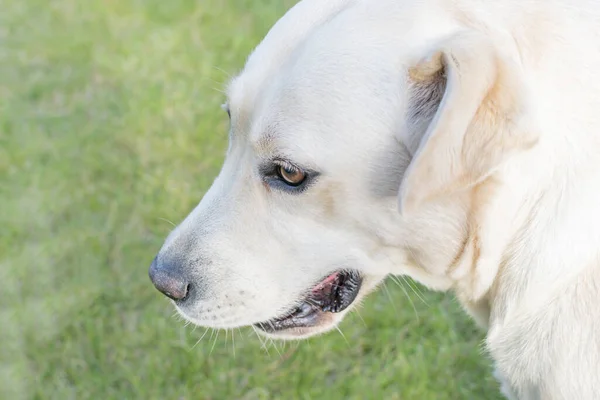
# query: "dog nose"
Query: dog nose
{"points": [[169, 280]]}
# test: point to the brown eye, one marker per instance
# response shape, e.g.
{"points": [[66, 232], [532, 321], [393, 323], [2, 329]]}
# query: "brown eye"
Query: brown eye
{"points": [[291, 175]]}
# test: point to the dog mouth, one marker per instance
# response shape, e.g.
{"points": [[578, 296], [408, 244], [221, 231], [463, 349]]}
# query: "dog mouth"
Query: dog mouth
{"points": [[331, 295]]}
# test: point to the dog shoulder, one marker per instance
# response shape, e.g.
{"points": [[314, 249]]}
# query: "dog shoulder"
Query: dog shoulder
{"points": [[550, 350]]}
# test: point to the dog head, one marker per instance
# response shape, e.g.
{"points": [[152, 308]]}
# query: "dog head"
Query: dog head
{"points": [[357, 138]]}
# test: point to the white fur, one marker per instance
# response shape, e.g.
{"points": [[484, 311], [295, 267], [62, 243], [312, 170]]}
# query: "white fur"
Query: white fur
{"points": [[493, 193]]}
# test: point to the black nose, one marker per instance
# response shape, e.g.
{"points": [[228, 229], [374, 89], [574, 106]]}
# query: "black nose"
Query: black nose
{"points": [[169, 280]]}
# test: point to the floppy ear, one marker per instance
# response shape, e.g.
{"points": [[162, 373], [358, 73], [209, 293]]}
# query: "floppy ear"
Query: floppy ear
{"points": [[472, 101]]}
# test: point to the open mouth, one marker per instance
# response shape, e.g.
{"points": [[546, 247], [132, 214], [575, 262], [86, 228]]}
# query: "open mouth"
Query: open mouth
{"points": [[331, 295]]}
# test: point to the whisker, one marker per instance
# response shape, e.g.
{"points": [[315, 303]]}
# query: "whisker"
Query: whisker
{"points": [[233, 342], [272, 326], [411, 251], [311, 302], [360, 316], [201, 337], [223, 71], [240, 332], [214, 343], [342, 333], [389, 295], [403, 289], [263, 344], [276, 349], [407, 296], [169, 221], [416, 290]]}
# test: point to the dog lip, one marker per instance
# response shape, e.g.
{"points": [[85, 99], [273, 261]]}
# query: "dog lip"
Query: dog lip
{"points": [[333, 294], [303, 316]]}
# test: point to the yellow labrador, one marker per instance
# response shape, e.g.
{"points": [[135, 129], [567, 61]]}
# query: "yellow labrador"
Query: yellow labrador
{"points": [[454, 141]]}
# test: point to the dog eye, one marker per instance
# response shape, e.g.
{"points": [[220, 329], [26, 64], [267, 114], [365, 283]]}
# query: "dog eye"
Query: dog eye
{"points": [[291, 175]]}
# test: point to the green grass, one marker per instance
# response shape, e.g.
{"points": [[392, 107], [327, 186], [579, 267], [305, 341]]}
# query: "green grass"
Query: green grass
{"points": [[110, 124]]}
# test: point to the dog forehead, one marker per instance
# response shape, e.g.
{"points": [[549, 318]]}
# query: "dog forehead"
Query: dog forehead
{"points": [[342, 75], [322, 26], [298, 113], [322, 90]]}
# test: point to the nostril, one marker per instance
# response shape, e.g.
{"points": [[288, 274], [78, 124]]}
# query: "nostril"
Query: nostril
{"points": [[186, 292], [169, 281], [188, 289], [177, 295]]}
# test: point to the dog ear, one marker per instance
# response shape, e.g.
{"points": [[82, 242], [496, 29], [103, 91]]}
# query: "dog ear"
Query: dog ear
{"points": [[470, 101]]}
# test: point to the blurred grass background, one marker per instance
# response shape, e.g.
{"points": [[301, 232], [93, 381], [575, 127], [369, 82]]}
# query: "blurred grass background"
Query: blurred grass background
{"points": [[109, 127]]}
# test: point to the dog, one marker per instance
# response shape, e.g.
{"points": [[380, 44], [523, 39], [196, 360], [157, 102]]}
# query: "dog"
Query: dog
{"points": [[453, 141]]}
